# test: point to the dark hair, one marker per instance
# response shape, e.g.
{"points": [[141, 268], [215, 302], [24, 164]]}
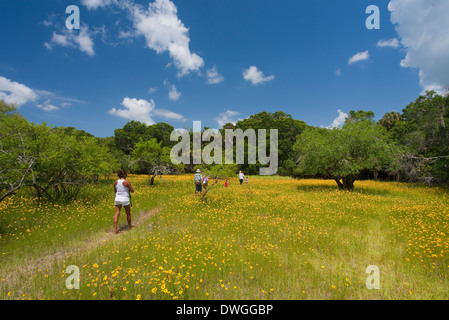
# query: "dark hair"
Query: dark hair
{"points": [[122, 174]]}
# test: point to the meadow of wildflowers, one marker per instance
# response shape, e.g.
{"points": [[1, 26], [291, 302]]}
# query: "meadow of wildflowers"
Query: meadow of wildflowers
{"points": [[273, 238]]}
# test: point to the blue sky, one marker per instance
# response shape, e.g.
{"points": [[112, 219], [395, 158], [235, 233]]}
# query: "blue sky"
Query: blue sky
{"points": [[217, 60]]}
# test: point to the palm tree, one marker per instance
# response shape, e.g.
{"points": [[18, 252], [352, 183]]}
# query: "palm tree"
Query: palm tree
{"points": [[389, 119]]}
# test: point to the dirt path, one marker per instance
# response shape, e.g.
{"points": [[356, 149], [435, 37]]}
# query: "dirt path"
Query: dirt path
{"points": [[19, 277]]}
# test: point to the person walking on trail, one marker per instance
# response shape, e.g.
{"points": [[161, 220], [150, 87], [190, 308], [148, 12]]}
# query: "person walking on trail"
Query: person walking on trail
{"points": [[241, 176], [123, 189], [198, 179]]}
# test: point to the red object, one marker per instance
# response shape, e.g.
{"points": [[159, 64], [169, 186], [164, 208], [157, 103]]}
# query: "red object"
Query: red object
{"points": [[226, 184]]}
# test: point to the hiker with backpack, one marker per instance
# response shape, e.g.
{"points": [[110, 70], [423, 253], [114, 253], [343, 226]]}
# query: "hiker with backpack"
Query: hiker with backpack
{"points": [[198, 179]]}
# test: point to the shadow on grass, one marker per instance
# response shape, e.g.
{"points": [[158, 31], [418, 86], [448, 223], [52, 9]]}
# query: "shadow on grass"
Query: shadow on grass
{"points": [[318, 188], [357, 189]]}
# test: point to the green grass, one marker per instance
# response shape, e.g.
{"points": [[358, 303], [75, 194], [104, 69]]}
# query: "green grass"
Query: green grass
{"points": [[272, 238]]}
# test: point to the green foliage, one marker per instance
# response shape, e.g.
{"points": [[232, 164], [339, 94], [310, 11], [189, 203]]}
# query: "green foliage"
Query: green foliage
{"points": [[16, 161], [56, 162], [360, 115], [423, 131], [135, 131], [288, 129], [6, 109], [66, 161], [219, 171], [129, 135], [343, 153], [150, 153], [390, 120], [150, 157]]}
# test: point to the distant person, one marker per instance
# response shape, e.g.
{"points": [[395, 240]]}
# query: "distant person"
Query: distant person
{"points": [[246, 180], [198, 179], [241, 176], [226, 183], [122, 188], [205, 182]]}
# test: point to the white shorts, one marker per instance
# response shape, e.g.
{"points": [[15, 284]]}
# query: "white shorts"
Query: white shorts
{"points": [[122, 203]]}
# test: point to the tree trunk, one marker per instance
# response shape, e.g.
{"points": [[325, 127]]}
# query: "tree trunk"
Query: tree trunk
{"points": [[38, 191], [346, 183], [152, 179], [340, 185]]}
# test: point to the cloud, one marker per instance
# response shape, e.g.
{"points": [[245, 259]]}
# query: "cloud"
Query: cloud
{"points": [[85, 42], [15, 93], [255, 76], [162, 29], [422, 26], [391, 43], [169, 115], [228, 116], [153, 90], [143, 111], [19, 94], [94, 4], [164, 32], [174, 94], [213, 77], [81, 39], [125, 35], [361, 56], [65, 101], [138, 110], [338, 72], [339, 121], [47, 106]]}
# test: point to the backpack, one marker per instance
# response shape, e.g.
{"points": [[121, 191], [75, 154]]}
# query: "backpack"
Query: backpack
{"points": [[198, 179]]}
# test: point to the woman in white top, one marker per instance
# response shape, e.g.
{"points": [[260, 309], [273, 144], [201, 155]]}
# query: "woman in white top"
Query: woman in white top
{"points": [[122, 189], [241, 176]]}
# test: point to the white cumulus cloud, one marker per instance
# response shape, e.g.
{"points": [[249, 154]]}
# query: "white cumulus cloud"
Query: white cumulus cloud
{"points": [[143, 111], [165, 32], [47, 106], [339, 121], [423, 27], [94, 4], [15, 93], [81, 39], [255, 76], [360, 56], [138, 110]]}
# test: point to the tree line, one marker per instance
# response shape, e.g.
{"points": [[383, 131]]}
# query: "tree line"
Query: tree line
{"points": [[55, 162]]}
